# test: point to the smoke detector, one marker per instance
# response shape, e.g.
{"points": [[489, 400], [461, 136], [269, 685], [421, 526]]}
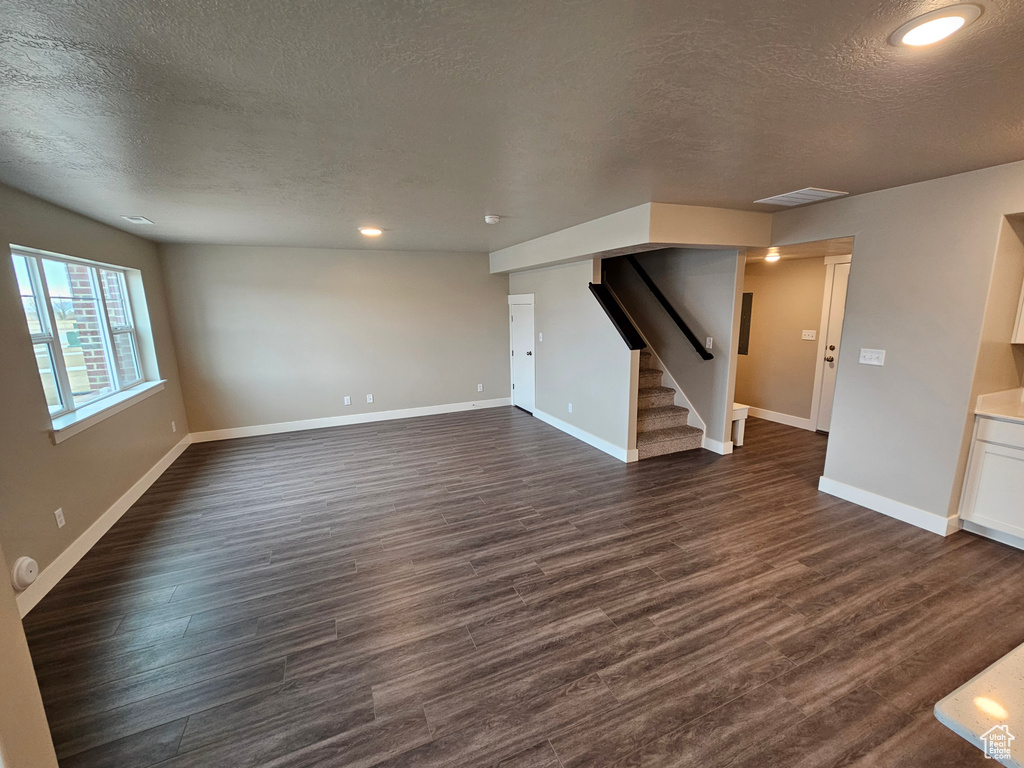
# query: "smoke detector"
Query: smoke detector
{"points": [[491, 219]]}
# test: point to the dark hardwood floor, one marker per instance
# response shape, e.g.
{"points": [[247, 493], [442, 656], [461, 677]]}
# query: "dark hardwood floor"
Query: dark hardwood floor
{"points": [[479, 589]]}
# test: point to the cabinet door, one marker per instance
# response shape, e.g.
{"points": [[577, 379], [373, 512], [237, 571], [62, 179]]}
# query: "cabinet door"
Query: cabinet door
{"points": [[995, 488]]}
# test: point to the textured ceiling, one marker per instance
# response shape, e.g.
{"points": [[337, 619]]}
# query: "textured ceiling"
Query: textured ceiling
{"points": [[293, 122]]}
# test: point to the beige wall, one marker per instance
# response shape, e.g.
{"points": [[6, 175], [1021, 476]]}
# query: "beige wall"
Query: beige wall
{"points": [[923, 262], [24, 734], [702, 286], [88, 472], [271, 335], [582, 359], [778, 373]]}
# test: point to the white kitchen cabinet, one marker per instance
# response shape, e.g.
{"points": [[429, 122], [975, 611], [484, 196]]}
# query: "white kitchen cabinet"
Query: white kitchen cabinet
{"points": [[993, 498]]}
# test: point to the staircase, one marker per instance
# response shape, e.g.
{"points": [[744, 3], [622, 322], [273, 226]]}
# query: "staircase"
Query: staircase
{"points": [[660, 424]]}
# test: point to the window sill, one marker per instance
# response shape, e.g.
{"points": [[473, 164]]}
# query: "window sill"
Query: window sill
{"points": [[72, 423]]}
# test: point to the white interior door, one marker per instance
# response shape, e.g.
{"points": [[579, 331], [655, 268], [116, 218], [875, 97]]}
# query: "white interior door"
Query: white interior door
{"points": [[833, 337], [520, 310]]}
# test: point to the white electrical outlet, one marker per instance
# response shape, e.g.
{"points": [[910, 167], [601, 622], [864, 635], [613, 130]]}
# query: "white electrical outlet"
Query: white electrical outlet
{"points": [[348, 400], [809, 335], [709, 342], [570, 407], [872, 357], [369, 398], [174, 427], [59, 514], [540, 337], [479, 387]]}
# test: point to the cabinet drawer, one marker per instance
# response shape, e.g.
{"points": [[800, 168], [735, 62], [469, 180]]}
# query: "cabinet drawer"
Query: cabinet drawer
{"points": [[1004, 432]]}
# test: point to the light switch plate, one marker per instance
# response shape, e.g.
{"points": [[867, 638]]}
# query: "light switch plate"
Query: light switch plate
{"points": [[348, 400], [540, 337], [570, 407], [369, 398], [809, 335], [479, 387], [59, 514], [709, 342], [872, 357]]}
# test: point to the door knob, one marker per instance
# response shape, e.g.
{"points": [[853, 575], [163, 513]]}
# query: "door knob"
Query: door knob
{"points": [[831, 347], [529, 353], [828, 359]]}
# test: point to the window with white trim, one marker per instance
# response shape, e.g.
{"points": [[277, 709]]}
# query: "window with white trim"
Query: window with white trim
{"points": [[83, 332]]}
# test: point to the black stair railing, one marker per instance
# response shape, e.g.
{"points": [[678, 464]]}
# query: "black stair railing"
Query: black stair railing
{"points": [[669, 308], [618, 316]]}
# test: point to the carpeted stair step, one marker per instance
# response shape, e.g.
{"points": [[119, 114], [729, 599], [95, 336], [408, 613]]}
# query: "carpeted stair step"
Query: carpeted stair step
{"points": [[662, 417], [660, 442], [650, 377], [653, 397]]}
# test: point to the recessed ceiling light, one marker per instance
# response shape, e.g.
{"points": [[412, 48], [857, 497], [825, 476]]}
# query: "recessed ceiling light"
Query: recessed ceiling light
{"points": [[772, 257], [936, 25], [371, 231], [137, 219]]}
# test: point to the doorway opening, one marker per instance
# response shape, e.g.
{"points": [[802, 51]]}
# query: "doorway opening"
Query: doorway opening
{"points": [[794, 300]]}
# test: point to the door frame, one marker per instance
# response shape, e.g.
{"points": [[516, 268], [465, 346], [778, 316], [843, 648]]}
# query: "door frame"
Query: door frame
{"points": [[826, 307], [521, 299]]}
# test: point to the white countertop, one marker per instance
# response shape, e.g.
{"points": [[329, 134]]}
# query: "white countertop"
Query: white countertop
{"points": [[990, 704], [1008, 405]]}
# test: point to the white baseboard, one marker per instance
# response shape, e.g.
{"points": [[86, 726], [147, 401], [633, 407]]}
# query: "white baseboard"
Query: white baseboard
{"points": [[340, 421], [622, 454], [67, 559], [717, 446], [782, 418], [943, 526], [992, 533]]}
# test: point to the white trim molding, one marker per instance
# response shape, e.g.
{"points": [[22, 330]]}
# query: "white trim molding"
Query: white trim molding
{"points": [[943, 526], [67, 559], [341, 421], [845, 259], [616, 451], [79, 420], [717, 446], [782, 418]]}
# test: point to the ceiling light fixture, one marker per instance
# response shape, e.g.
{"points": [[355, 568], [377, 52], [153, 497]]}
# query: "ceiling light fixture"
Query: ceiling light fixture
{"points": [[137, 219], [773, 257], [935, 26], [371, 231]]}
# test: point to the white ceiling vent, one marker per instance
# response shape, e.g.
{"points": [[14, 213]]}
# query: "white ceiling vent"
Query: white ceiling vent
{"points": [[137, 219], [802, 197]]}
